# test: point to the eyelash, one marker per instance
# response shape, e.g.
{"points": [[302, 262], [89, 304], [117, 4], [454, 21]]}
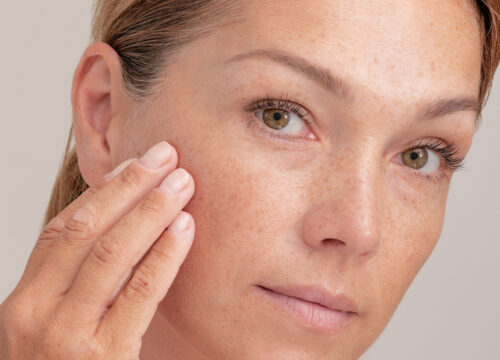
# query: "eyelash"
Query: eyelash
{"points": [[283, 104], [446, 152]]}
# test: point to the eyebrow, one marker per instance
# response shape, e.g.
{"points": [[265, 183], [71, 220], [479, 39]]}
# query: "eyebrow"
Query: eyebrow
{"points": [[322, 76], [447, 106], [336, 85]]}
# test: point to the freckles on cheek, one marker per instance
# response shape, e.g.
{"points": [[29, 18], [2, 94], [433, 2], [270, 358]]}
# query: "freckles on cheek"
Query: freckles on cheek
{"points": [[417, 193], [412, 231], [231, 188], [416, 221], [245, 199], [414, 214]]}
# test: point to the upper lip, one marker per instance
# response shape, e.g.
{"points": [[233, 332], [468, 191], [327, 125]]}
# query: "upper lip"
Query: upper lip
{"points": [[317, 294]]}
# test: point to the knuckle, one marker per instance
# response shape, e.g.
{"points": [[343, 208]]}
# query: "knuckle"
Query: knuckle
{"points": [[16, 317], [142, 284], [82, 223], [155, 204], [52, 229], [109, 250], [163, 252], [130, 177]]}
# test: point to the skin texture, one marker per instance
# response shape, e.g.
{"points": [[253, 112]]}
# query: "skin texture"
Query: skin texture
{"points": [[335, 207]]}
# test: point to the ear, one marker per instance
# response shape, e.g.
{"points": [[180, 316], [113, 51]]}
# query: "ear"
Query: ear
{"points": [[99, 107]]}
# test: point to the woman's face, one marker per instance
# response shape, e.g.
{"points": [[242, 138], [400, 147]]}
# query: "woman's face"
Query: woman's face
{"points": [[334, 204]]}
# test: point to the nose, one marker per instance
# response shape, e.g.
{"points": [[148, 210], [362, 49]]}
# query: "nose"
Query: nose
{"points": [[345, 217]]}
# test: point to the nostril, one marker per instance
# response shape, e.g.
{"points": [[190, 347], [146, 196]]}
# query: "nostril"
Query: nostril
{"points": [[334, 242]]}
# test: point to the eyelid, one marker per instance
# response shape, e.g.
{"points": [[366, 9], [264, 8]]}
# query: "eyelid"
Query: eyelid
{"points": [[446, 153], [254, 122], [286, 104], [281, 102]]}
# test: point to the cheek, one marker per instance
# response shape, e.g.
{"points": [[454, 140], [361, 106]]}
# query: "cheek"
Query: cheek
{"points": [[416, 222], [238, 207], [412, 226]]}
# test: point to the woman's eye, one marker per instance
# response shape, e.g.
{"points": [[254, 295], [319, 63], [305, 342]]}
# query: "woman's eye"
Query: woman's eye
{"points": [[421, 159], [285, 121]]}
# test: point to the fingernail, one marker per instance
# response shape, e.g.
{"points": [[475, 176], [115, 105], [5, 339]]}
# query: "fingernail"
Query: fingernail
{"points": [[180, 224], [109, 176], [156, 156], [175, 181]]}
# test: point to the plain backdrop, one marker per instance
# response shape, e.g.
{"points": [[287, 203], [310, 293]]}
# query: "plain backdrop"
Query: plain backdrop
{"points": [[451, 310]]}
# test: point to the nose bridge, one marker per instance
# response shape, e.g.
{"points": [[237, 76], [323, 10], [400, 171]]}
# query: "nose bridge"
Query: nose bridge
{"points": [[350, 202], [360, 196]]}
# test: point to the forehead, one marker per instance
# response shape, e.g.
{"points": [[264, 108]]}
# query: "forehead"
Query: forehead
{"points": [[431, 44]]}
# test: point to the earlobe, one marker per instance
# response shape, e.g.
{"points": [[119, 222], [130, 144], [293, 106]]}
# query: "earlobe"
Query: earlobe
{"points": [[96, 98]]}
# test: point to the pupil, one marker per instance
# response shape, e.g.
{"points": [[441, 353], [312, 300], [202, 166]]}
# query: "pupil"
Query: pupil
{"points": [[414, 156], [277, 116]]}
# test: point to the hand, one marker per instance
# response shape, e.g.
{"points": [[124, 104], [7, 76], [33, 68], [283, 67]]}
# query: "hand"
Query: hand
{"points": [[101, 266]]}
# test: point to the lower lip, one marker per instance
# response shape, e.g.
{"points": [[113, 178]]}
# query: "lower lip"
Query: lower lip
{"points": [[312, 315]]}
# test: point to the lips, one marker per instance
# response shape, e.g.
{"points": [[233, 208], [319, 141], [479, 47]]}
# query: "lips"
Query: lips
{"points": [[318, 295]]}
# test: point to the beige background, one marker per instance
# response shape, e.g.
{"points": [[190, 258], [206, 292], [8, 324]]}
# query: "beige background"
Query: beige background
{"points": [[452, 309]]}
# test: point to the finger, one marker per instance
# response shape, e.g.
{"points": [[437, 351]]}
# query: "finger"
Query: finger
{"points": [[134, 307], [96, 216], [52, 230], [120, 249], [50, 234]]}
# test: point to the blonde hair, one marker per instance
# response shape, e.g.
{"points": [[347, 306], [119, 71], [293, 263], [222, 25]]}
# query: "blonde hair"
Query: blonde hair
{"points": [[146, 33]]}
